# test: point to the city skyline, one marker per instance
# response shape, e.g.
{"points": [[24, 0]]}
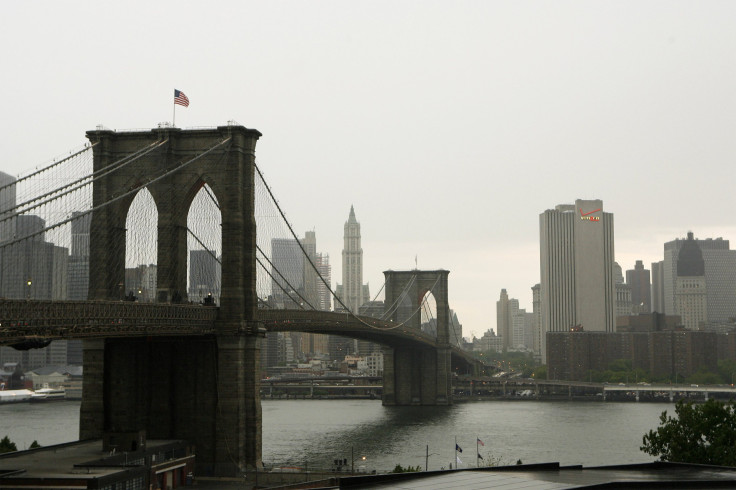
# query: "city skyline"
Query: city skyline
{"points": [[449, 126]]}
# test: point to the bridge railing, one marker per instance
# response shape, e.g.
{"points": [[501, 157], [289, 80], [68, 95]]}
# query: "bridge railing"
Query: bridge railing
{"points": [[22, 320]]}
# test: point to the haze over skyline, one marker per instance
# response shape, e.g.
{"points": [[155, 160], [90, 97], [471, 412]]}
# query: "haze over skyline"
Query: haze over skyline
{"points": [[450, 126]]}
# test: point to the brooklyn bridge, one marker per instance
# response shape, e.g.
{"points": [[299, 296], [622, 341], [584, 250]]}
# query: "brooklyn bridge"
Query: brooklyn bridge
{"points": [[170, 366]]}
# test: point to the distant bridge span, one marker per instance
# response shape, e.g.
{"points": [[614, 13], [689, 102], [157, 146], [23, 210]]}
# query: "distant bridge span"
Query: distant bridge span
{"points": [[364, 328]]}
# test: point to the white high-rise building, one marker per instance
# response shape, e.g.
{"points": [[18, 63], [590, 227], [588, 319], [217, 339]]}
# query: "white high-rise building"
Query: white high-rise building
{"points": [[577, 286], [352, 291]]}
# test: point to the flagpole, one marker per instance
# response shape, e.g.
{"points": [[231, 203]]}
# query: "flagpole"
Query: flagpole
{"points": [[477, 454], [173, 120], [455, 452]]}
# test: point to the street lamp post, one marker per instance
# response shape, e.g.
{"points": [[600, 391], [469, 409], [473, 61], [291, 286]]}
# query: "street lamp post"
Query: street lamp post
{"points": [[352, 460], [29, 283]]}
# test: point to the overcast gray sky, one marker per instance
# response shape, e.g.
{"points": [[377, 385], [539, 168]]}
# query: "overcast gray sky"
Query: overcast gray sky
{"points": [[449, 125]]}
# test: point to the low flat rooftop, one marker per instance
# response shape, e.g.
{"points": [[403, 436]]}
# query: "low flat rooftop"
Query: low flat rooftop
{"points": [[552, 476], [79, 460]]}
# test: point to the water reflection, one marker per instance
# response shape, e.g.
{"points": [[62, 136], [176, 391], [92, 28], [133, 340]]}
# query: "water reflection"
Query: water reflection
{"points": [[317, 432]]}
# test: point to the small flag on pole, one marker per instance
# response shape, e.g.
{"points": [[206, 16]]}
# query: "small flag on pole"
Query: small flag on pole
{"points": [[180, 98], [459, 461], [458, 448], [480, 442], [479, 456]]}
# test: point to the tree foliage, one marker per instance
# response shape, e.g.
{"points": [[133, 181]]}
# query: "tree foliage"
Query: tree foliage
{"points": [[7, 446], [34, 445], [408, 469], [701, 434]]}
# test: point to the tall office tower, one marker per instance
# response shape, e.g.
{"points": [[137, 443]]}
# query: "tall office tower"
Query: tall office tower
{"points": [[456, 330], [309, 243], [373, 309], [638, 279], [7, 203], [324, 294], [205, 273], [623, 292], [287, 273], [576, 265], [78, 268], [618, 273], [658, 287], [505, 308], [352, 291], [690, 287], [537, 311], [720, 277], [33, 268], [316, 292], [140, 282], [522, 325], [503, 318]]}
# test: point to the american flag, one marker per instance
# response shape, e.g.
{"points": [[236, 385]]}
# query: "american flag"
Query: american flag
{"points": [[180, 98]]}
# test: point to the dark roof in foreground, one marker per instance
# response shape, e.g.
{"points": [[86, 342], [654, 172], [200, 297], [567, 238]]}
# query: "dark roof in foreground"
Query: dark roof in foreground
{"points": [[554, 476]]}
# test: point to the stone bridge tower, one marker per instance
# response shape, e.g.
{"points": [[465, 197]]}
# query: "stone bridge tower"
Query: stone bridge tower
{"points": [[414, 376], [202, 389]]}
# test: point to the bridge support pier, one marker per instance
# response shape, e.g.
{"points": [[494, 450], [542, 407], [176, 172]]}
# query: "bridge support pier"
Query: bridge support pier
{"points": [[417, 377], [199, 389]]}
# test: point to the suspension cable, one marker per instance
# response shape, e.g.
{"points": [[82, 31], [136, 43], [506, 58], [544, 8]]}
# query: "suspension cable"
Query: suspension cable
{"points": [[57, 194], [49, 167], [119, 197], [299, 242], [288, 293], [285, 279]]}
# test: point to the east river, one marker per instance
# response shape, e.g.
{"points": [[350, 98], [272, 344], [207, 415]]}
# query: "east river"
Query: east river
{"points": [[314, 433]]}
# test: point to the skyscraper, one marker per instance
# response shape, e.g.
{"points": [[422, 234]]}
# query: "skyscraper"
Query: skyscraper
{"points": [[7, 205], [638, 280], [287, 273], [623, 293], [690, 286], [352, 291], [720, 277], [658, 287], [78, 273], [316, 292], [576, 265], [505, 309], [538, 332], [205, 272]]}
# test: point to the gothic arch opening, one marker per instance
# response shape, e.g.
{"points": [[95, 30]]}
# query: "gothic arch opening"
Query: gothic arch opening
{"points": [[428, 309], [141, 249], [204, 248]]}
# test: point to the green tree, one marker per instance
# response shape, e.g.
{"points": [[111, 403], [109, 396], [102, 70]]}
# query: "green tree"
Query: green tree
{"points": [[727, 370], [7, 446], [701, 434], [34, 445], [540, 372], [703, 377], [408, 469]]}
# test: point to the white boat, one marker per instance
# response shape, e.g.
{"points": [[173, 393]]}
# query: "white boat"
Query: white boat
{"points": [[13, 396], [48, 394]]}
